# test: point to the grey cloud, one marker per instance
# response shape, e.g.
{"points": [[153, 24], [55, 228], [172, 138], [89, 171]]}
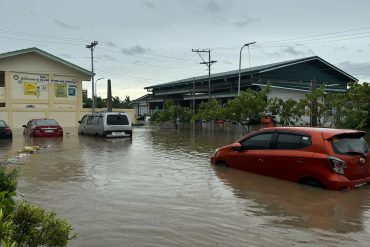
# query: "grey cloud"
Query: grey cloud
{"points": [[358, 70], [149, 4], [65, 25], [293, 51], [64, 55], [227, 62], [340, 48], [111, 44], [135, 50], [246, 21], [212, 6], [297, 50], [107, 58]]}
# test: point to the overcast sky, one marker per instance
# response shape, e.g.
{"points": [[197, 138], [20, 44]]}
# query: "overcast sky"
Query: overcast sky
{"points": [[147, 42]]}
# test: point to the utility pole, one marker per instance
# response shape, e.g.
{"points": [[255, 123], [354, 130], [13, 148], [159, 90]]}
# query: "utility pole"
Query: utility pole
{"points": [[91, 47], [209, 63]]}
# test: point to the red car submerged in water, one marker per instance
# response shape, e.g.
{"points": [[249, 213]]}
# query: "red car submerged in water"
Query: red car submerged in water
{"points": [[43, 128], [333, 159]]}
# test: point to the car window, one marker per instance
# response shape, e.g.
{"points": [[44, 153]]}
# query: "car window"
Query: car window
{"points": [[2, 124], [289, 141], [89, 119], [94, 121], [261, 141], [349, 145], [100, 121], [41, 122], [117, 120], [83, 120]]}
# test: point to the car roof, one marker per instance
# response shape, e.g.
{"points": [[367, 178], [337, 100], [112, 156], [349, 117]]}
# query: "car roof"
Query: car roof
{"points": [[327, 133]]}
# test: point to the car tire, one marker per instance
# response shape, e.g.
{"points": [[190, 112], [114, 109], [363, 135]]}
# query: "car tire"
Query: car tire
{"points": [[312, 182], [221, 163]]}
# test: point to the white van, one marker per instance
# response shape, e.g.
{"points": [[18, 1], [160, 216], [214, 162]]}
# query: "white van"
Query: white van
{"points": [[106, 124]]}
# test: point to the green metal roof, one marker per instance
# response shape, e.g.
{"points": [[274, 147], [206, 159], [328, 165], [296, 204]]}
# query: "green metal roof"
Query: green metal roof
{"points": [[48, 55], [255, 70]]}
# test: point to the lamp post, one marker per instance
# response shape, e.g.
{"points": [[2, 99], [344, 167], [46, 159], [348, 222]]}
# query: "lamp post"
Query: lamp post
{"points": [[95, 94], [240, 62], [91, 47]]}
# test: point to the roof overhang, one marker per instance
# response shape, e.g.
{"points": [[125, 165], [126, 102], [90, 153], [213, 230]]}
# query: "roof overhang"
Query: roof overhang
{"points": [[47, 55]]}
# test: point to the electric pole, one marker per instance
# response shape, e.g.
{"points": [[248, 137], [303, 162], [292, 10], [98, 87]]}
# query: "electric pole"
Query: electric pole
{"points": [[91, 47], [209, 63]]}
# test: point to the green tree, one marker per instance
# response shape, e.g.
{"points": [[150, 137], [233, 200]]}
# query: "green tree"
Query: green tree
{"points": [[289, 111], [356, 110], [210, 110], [173, 113], [248, 106]]}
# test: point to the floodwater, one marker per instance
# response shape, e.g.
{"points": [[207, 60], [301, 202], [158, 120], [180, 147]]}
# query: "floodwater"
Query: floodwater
{"points": [[160, 190]]}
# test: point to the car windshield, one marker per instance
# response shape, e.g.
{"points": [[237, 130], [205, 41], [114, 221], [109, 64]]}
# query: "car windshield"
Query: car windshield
{"points": [[2, 124], [43, 122], [349, 145], [117, 120]]}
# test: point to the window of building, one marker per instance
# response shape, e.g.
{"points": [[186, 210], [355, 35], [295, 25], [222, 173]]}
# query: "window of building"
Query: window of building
{"points": [[2, 79]]}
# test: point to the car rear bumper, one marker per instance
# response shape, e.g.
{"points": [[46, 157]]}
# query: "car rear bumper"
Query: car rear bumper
{"points": [[342, 183]]}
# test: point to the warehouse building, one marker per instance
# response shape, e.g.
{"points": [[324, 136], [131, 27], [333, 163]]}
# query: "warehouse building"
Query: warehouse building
{"points": [[289, 79]]}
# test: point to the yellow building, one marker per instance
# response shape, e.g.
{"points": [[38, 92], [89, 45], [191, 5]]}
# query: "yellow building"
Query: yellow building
{"points": [[37, 84]]}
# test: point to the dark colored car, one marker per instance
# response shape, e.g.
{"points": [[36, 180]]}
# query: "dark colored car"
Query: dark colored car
{"points": [[328, 158], [43, 128], [5, 131]]}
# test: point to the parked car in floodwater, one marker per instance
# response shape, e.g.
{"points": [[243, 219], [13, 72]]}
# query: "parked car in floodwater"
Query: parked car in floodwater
{"points": [[333, 159], [5, 131], [43, 127], [106, 124]]}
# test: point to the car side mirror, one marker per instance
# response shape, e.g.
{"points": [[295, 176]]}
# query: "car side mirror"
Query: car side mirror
{"points": [[24, 126], [236, 146]]}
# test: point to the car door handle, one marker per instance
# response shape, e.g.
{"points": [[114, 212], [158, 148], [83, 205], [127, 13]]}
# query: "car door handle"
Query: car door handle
{"points": [[300, 160], [261, 159]]}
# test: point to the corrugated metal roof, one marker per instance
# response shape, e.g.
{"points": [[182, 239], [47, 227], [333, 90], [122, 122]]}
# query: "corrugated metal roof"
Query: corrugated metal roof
{"points": [[48, 55], [254, 70]]}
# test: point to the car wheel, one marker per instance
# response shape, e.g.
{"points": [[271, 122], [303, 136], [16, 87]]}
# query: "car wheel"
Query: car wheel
{"points": [[312, 182], [221, 163]]}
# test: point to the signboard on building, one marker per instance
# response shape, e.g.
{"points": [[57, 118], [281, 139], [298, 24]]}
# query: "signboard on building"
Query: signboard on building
{"points": [[29, 86], [65, 87]]}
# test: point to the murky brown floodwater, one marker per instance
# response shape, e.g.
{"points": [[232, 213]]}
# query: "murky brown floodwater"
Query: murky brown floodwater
{"points": [[160, 190]]}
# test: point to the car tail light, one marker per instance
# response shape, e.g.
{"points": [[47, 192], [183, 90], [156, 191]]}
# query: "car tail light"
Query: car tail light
{"points": [[36, 130], [60, 130], [337, 165], [8, 130]]}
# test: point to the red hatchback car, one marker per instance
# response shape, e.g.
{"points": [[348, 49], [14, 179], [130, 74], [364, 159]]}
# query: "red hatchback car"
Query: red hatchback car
{"points": [[43, 128], [333, 159]]}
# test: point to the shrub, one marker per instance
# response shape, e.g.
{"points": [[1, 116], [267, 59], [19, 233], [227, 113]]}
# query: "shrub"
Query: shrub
{"points": [[33, 226]]}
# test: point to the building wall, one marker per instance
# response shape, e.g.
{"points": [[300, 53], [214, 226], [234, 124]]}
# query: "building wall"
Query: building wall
{"points": [[38, 87]]}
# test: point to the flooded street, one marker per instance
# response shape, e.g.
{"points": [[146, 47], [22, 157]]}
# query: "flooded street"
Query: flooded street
{"points": [[159, 189]]}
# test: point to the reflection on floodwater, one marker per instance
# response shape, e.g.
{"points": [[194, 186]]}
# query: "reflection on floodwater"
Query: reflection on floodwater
{"points": [[159, 189], [297, 205]]}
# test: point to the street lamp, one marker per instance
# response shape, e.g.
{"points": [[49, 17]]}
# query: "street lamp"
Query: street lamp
{"points": [[240, 62], [91, 47], [95, 94]]}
